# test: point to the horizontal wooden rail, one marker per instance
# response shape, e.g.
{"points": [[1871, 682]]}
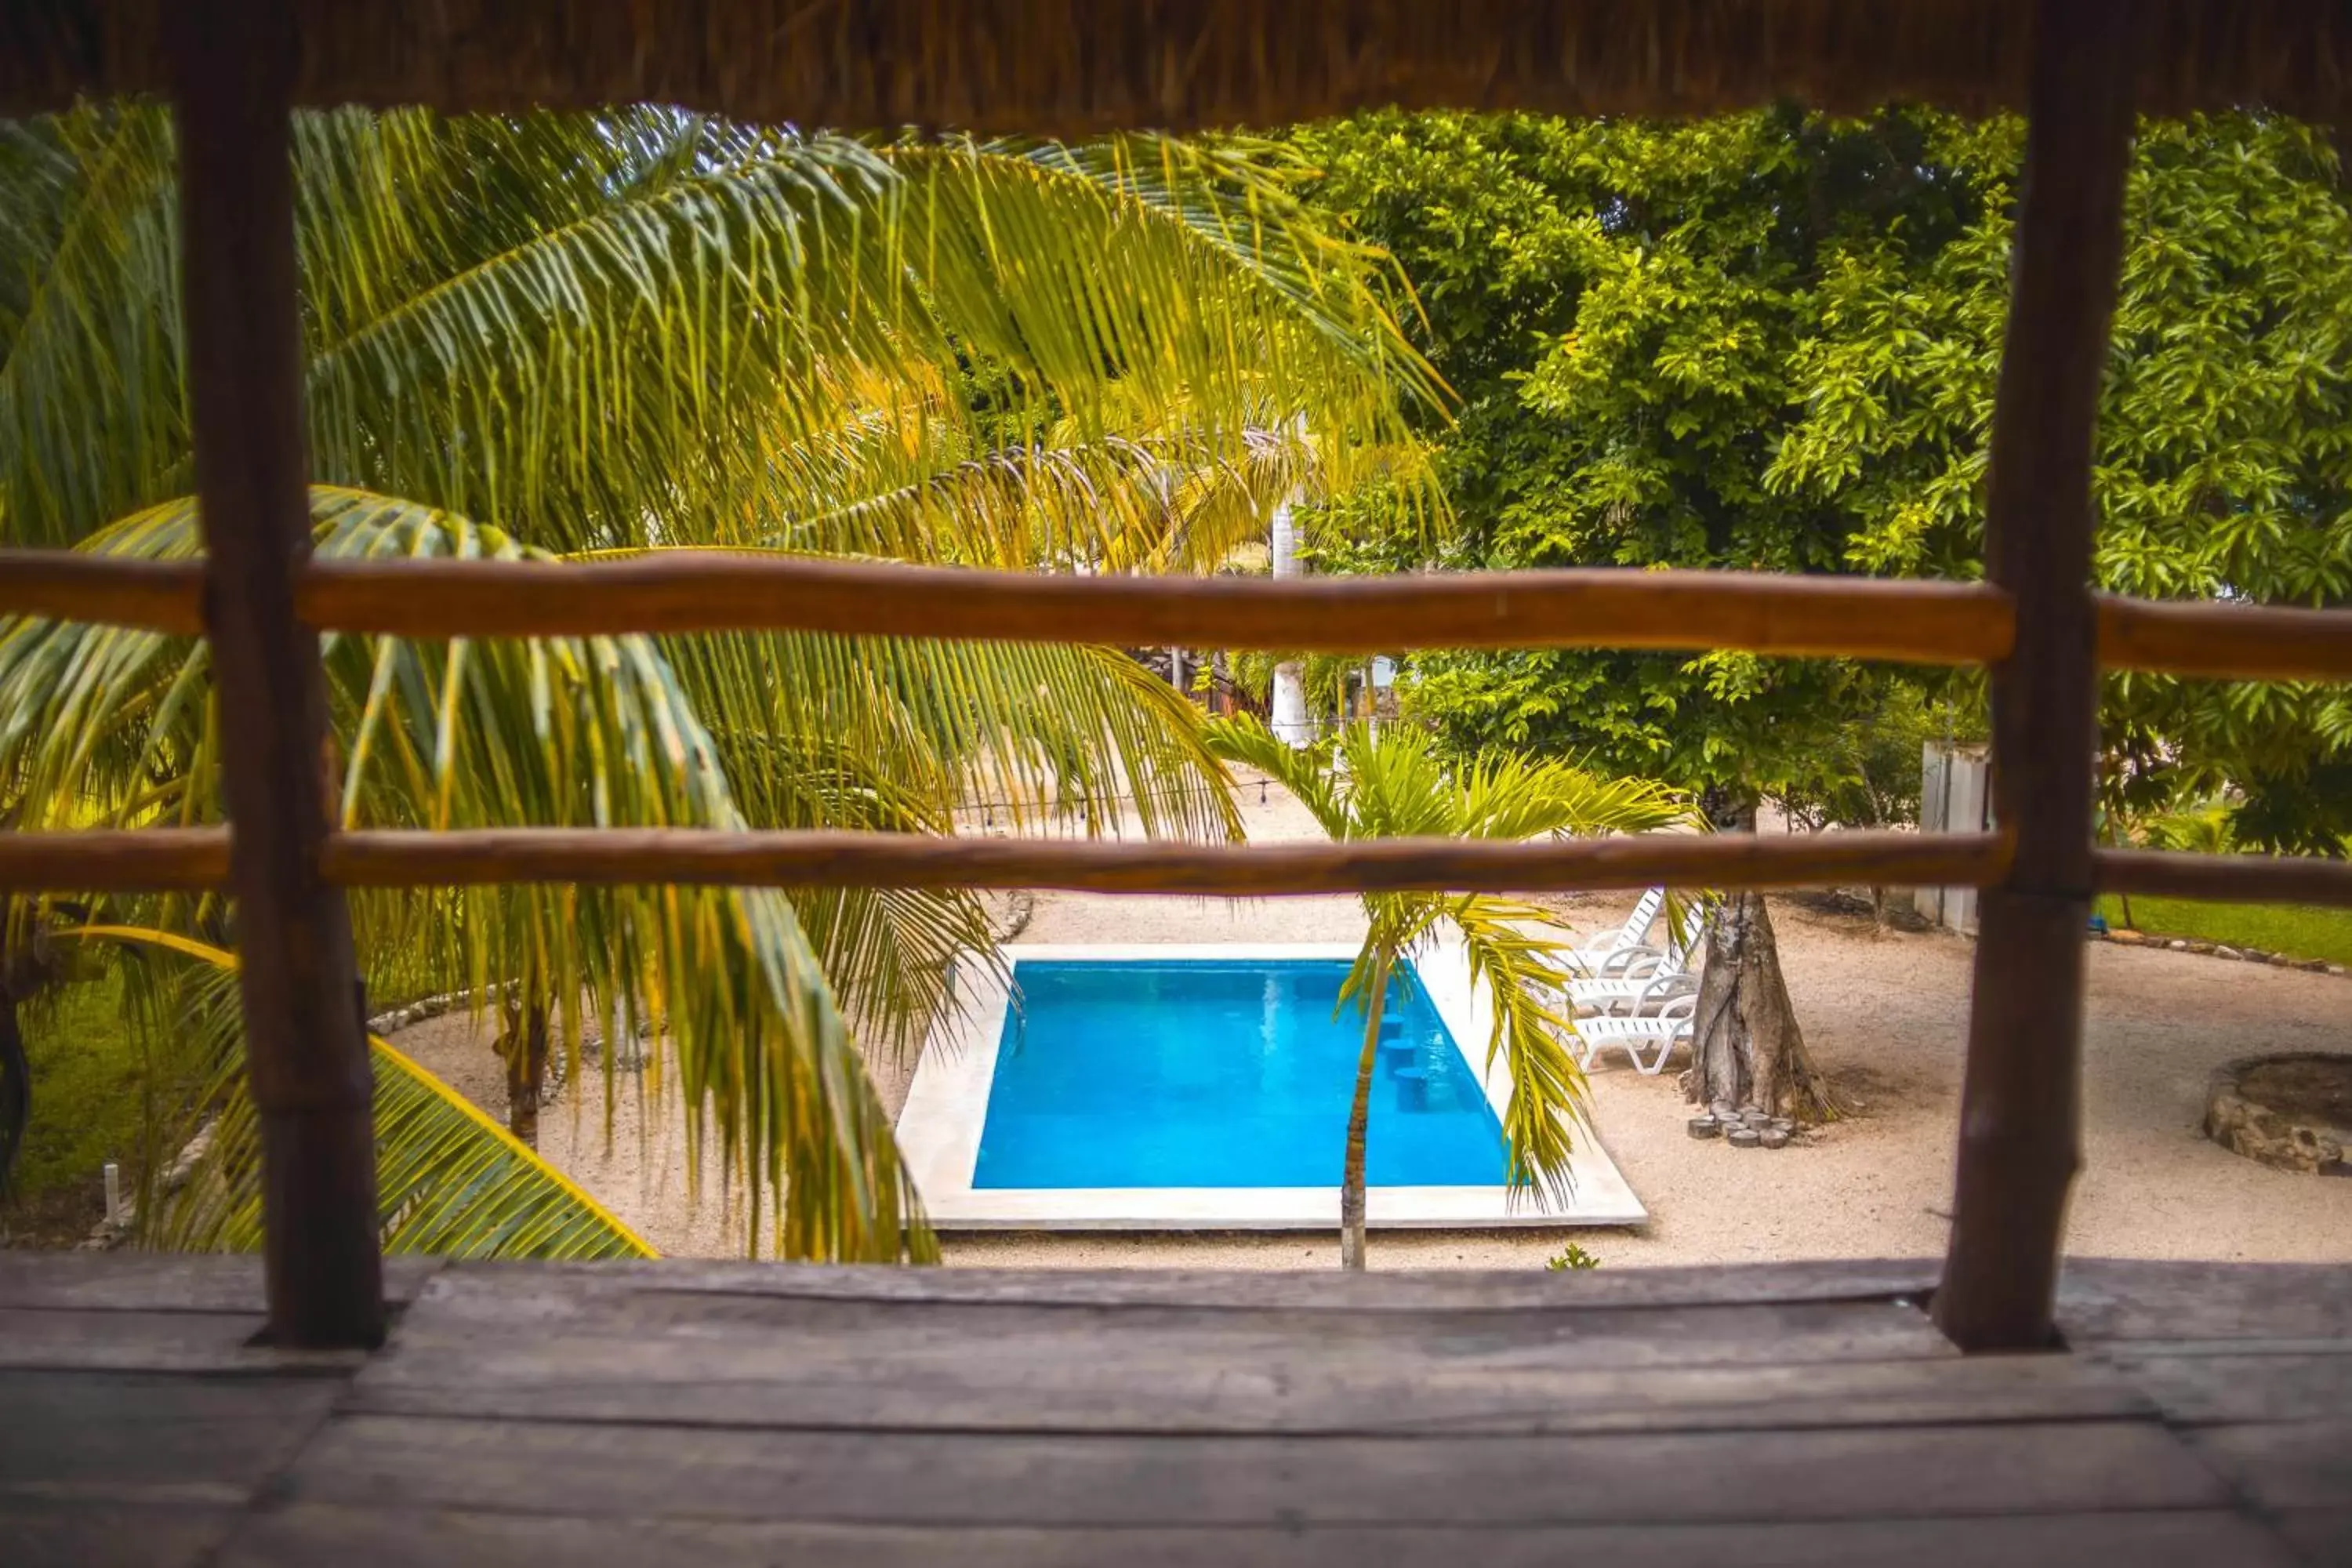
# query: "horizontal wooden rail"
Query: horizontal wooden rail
{"points": [[67, 585], [1931, 623], [649, 855], [115, 860], [2222, 641], [2223, 878], [195, 859]]}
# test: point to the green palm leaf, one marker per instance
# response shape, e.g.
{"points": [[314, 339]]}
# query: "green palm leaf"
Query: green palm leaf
{"points": [[644, 329], [554, 731], [450, 1181], [1364, 784]]}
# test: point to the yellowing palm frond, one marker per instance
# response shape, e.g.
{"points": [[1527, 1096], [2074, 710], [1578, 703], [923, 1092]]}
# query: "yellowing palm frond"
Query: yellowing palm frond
{"points": [[450, 1181], [559, 731]]}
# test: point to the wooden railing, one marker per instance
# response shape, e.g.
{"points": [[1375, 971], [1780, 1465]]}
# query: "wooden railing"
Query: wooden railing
{"points": [[1913, 621], [2033, 623]]}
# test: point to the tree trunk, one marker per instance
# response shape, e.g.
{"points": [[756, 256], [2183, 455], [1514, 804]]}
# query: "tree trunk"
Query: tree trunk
{"points": [[523, 1048], [1746, 1051], [15, 1087], [1359, 1116], [1290, 721]]}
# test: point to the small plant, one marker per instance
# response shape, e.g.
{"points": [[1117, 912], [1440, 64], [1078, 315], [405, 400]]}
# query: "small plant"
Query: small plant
{"points": [[1574, 1258]]}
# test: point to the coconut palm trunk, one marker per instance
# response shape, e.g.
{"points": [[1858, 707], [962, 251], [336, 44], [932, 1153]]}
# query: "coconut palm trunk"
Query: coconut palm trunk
{"points": [[1360, 785], [1353, 1188], [1291, 722]]}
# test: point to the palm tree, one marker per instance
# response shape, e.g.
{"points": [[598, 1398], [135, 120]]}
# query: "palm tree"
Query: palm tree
{"points": [[556, 336], [1388, 785]]}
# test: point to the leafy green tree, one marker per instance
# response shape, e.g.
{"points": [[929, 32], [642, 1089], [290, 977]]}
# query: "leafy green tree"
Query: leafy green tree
{"points": [[1769, 341], [1363, 786], [555, 336]]}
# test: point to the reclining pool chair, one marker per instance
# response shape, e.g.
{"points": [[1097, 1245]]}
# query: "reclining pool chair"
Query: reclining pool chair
{"points": [[1625, 976], [1662, 1015], [1591, 962]]}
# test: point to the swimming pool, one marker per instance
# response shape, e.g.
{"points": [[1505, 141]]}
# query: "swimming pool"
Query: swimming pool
{"points": [[1206, 1086], [1223, 1073]]}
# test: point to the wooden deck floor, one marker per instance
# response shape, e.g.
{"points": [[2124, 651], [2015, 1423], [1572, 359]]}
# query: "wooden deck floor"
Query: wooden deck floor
{"points": [[727, 1414]]}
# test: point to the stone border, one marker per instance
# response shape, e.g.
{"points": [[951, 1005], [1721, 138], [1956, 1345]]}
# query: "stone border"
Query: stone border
{"points": [[2220, 950], [2246, 1126]]}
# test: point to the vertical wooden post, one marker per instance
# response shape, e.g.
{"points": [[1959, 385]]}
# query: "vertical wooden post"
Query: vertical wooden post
{"points": [[305, 1046], [2021, 1110]]}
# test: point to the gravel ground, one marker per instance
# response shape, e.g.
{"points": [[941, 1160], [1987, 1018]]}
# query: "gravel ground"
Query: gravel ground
{"points": [[1885, 1014]]}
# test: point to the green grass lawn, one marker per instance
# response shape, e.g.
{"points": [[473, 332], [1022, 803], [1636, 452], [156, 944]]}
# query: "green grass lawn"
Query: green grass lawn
{"points": [[89, 1077], [2297, 930]]}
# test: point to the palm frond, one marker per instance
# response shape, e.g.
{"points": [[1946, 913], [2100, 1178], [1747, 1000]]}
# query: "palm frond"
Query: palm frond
{"points": [[560, 732], [450, 1181], [1363, 784], [1304, 771], [1516, 968], [92, 413], [1518, 798]]}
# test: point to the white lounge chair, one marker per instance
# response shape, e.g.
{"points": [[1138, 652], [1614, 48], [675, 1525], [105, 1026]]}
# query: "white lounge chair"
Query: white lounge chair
{"points": [[1634, 969], [1663, 1015], [1631, 937]]}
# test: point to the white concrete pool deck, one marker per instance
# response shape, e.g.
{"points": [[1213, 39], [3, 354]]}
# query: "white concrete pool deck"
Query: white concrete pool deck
{"points": [[947, 1106]]}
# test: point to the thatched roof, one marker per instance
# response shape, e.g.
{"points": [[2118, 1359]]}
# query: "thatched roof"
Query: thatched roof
{"points": [[1070, 67]]}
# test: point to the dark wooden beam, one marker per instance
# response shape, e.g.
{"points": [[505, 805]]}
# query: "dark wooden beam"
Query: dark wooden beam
{"points": [[305, 1048], [2020, 1107]]}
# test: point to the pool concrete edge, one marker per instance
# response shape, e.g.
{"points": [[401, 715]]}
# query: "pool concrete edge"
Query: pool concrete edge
{"points": [[947, 1107]]}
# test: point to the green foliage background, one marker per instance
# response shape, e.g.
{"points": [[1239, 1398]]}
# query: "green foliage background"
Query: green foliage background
{"points": [[1769, 341]]}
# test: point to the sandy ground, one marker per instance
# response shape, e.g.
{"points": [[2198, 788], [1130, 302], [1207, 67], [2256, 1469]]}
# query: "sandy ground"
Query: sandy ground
{"points": [[1883, 1012]]}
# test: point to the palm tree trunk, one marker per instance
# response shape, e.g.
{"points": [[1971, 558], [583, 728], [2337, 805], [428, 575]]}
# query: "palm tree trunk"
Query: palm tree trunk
{"points": [[15, 1087], [1359, 1116], [524, 1049], [1289, 721]]}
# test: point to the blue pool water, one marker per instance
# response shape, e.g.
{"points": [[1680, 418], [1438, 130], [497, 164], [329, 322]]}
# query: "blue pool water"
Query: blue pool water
{"points": [[1222, 1073]]}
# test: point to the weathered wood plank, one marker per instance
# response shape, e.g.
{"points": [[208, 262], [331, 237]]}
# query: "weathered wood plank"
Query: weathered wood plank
{"points": [[610, 1472], [621, 1346], [2283, 1464], [2321, 1538], [2221, 1383], [187, 1439], [88, 1340], [1327, 1290], [2129, 1298], [1179, 1382], [70, 1534], [308, 1533], [164, 1281], [1620, 1336]]}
